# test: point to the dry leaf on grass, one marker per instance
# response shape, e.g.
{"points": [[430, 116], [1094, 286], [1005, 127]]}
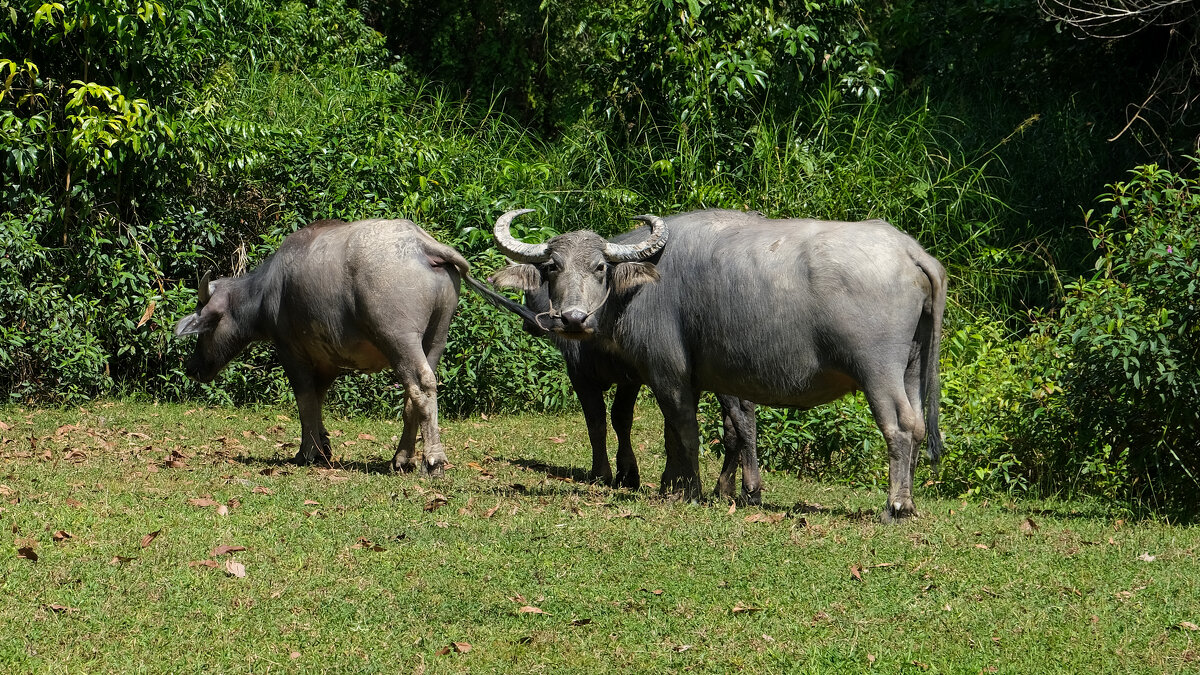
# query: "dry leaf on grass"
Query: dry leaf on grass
{"points": [[745, 609], [1146, 557], [530, 609], [149, 538], [764, 518], [1028, 526], [222, 550], [60, 609], [1187, 625], [462, 647], [235, 569], [311, 502], [27, 553], [492, 511], [74, 503], [436, 502], [369, 545], [60, 535], [657, 591], [204, 502], [120, 559], [260, 490], [856, 572]]}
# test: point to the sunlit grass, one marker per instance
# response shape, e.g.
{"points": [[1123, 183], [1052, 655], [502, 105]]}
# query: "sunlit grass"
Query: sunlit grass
{"points": [[379, 575]]}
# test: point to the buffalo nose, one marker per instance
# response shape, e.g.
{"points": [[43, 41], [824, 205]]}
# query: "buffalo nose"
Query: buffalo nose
{"points": [[574, 318]]}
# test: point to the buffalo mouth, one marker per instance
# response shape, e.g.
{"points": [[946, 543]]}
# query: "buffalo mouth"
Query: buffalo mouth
{"points": [[579, 333]]}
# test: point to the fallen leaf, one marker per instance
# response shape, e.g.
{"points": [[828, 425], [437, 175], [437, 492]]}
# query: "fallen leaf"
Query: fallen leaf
{"points": [[60, 609], [120, 559], [269, 471], [146, 314], [222, 550], [294, 655], [559, 439], [739, 608], [580, 622], [764, 518], [856, 572], [443, 651], [75, 454], [4, 427], [871, 658], [203, 563], [203, 502], [1146, 557], [1188, 625], [6, 491], [149, 538], [311, 502], [175, 464], [60, 535], [681, 648], [260, 490], [657, 591], [983, 546], [366, 437], [1028, 526], [530, 609], [235, 569], [27, 553], [492, 511], [732, 508], [369, 545], [74, 503], [436, 502], [222, 510], [462, 647]]}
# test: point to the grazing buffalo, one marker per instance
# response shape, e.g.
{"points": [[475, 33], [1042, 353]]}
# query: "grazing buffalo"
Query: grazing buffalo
{"points": [[593, 371], [339, 297], [792, 312]]}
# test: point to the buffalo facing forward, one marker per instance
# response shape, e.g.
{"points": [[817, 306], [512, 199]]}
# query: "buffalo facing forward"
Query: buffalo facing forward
{"points": [[790, 312], [340, 297]]}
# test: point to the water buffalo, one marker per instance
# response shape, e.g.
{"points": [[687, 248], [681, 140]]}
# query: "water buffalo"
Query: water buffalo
{"points": [[593, 371], [339, 297], [791, 312]]}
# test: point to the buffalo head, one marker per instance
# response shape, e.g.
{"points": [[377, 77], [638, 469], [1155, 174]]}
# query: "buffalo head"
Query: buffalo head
{"points": [[578, 271], [220, 337]]}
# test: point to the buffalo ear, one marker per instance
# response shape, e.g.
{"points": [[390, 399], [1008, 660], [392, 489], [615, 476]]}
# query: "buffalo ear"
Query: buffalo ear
{"points": [[522, 277], [628, 276], [194, 324]]}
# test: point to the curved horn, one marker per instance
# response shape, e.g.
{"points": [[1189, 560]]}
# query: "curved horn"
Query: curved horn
{"points": [[518, 251], [202, 288], [634, 252]]}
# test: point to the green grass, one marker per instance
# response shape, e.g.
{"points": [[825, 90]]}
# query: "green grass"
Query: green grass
{"points": [[626, 582]]}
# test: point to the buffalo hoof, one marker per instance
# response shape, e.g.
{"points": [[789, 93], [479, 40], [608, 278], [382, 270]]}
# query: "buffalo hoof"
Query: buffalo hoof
{"points": [[600, 477], [627, 479], [686, 488], [897, 510], [724, 489], [403, 463], [311, 456], [434, 465], [753, 497]]}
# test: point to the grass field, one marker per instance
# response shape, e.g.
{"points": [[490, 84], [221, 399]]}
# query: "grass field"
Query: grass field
{"points": [[117, 512]]}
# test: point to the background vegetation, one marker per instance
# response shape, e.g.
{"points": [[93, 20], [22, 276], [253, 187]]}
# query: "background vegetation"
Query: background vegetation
{"points": [[144, 142]]}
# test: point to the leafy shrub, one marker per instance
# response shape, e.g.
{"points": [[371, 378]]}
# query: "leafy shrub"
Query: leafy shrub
{"points": [[1129, 338]]}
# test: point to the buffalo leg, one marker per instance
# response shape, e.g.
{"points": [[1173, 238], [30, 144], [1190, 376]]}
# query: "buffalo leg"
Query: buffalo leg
{"points": [[591, 398], [622, 422], [420, 410], [681, 438], [740, 441], [309, 388], [898, 422]]}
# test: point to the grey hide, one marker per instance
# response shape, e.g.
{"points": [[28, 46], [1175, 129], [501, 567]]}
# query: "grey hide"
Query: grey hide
{"points": [[339, 297], [793, 312], [593, 371]]}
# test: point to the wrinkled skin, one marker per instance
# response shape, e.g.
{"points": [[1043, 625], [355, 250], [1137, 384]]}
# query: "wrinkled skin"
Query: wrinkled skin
{"points": [[790, 313], [593, 371], [341, 297]]}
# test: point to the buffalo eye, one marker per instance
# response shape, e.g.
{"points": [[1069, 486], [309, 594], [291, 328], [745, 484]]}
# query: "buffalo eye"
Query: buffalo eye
{"points": [[550, 267], [601, 267]]}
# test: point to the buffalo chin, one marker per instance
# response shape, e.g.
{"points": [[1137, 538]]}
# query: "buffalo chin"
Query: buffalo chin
{"points": [[582, 334]]}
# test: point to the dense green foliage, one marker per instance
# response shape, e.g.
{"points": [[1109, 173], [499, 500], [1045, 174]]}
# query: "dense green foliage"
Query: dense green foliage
{"points": [[144, 143]]}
